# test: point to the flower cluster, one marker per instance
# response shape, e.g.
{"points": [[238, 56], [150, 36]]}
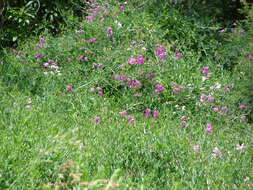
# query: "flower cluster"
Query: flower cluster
{"points": [[161, 53]]}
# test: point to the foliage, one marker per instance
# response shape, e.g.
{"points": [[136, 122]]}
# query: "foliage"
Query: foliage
{"points": [[20, 19]]}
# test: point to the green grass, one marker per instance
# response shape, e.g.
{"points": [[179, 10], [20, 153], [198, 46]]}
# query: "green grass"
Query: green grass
{"points": [[57, 144]]}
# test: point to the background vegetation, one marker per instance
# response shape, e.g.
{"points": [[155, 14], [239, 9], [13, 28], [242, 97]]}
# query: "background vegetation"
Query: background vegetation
{"points": [[128, 95]]}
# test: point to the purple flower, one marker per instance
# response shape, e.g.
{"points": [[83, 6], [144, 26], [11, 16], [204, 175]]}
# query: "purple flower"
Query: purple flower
{"points": [[178, 55], [209, 75], [123, 78], [92, 40], [222, 31], [122, 8], [203, 97], [80, 31], [150, 75], [148, 112], [42, 41], [156, 113], [224, 110], [50, 61], [216, 109], [69, 88], [90, 18], [183, 118], [241, 31], [97, 119], [210, 99], [132, 61], [250, 58], [110, 33], [100, 65], [160, 52], [159, 88], [140, 60], [38, 56], [205, 70], [209, 128], [234, 24], [175, 90]]}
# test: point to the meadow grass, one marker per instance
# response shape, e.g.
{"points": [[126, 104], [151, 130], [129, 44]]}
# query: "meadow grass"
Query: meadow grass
{"points": [[75, 110]]}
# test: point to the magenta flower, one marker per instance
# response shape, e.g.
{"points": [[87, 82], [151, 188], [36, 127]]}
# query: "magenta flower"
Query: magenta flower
{"points": [[140, 60], [131, 119], [216, 109], [90, 18], [209, 128], [110, 33], [132, 61], [203, 97], [159, 88], [156, 113], [69, 88], [205, 70], [50, 61], [150, 75], [178, 55], [123, 113], [250, 58], [97, 119], [122, 8], [242, 107], [42, 41], [92, 40], [210, 99], [222, 31], [234, 24], [123, 78], [148, 112], [38, 56], [160, 52], [175, 90], [224, 110]]}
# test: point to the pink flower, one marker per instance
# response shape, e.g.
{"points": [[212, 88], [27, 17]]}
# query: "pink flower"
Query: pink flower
{"points": [[203, 97], [209, 75], [116, 77], [38, 56], [150, 75], [110, 33], [176, 89], [184, 118], [216, 109], [69, 88], [90, 18], [148, 112], [156, 113], [131, 119], [135, 83], [160, 52], [159, 88], [99, 65], [97, 119], [92, 40], [242, 117], [123, 113], [178, 55], [140, 60], [205, 70], [241, 31], [217, 153], [123, 78], [82, 57], [224, 109], [173, 83], [222, 31], [242, 107], [132, 61], [42, 41], [122, 8], [234, 24], [196, 148], [209, 128], [250, 58], [210, 99]]}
